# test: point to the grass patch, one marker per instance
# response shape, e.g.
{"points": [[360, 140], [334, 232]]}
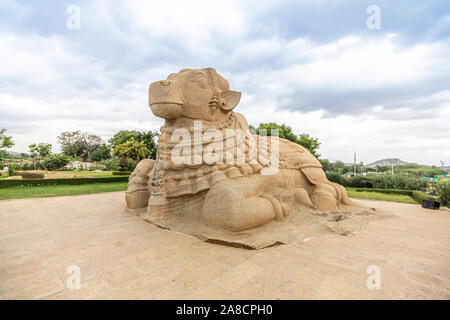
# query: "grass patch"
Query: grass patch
{"points": [[60, 190], [85, 173], [352, 192]]}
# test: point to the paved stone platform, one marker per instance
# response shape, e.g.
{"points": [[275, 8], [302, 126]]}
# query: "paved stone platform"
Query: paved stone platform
{"points": [[123, 257]]}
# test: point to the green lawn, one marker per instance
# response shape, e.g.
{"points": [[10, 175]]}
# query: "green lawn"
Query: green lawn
{"points": [[62, 190], [67, 190], [86, 173], [78, 174], [380, 196]]}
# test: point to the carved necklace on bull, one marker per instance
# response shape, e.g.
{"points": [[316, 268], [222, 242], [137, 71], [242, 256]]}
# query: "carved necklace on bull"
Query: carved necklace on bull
{"points": [[166, 145]]}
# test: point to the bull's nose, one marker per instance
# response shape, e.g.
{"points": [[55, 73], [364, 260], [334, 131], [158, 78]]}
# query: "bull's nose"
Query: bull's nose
{"points": [[165, 83]]}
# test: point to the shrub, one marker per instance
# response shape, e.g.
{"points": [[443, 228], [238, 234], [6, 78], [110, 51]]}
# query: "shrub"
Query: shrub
{"points": [[388, 181], [121, 173], [11, 170], [335, 177], [442, 190], [131, 165], [30, 175], [68, 181], [25, 166], [358, 181], [123, 164], [55, 162], [419, 196], [111, 164]]}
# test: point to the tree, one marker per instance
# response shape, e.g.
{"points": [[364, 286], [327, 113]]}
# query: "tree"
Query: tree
{"points": [[136, 150], [338, 166], [90, 142], [5, 141], [55, 162], [148, 137], [310, 143], [40, 151], [326, 165], [102, 152], [285, 132], [75, 143], [70, 142]]}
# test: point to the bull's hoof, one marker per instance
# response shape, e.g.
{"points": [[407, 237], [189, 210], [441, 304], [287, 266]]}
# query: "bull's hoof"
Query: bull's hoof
{"points": [[324, 198]]}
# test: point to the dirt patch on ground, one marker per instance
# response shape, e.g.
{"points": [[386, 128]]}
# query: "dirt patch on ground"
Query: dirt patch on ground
{"points": [[59, 176]]}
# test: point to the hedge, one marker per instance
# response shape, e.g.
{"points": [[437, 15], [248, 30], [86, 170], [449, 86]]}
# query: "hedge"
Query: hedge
{"points": [[121, 173], [30, 175], [419, 196], [66, 181], [379, 181]]}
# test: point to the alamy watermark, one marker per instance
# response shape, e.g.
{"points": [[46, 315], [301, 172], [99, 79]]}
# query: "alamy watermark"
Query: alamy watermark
{"points": [[374, 280], [73, 282], [373, 22], [74, 19], [236, 147]]}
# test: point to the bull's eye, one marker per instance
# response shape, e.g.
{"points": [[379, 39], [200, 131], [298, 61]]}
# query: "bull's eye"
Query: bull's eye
{"points": [[200, 80]]}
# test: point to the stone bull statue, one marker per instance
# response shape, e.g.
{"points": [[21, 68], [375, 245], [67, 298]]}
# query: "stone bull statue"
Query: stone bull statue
{"points": [[236, 195]]}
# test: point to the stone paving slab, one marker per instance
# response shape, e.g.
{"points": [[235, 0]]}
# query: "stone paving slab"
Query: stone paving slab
{"points": [[123, 257]]}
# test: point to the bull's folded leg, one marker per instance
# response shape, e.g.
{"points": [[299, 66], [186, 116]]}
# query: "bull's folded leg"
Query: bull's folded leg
{"points": [[232, 207], [248, 213]]}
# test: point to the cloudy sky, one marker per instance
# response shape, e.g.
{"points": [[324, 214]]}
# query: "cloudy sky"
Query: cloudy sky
{"points": [[313, 65]]}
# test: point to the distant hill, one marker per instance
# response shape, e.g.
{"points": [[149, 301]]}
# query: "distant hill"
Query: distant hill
{"points": [[386, 162]]}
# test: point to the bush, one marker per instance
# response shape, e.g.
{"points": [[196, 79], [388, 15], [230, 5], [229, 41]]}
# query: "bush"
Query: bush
{"points": [[68, 181], [25, 166], [11, 170], [30, 175], [131, 165], [335, 177], [121, 173], [388, 181], [419, 196], [123, 164], [442, 190], [380, 181], [111, 164], [358, 181], [55, 162]]}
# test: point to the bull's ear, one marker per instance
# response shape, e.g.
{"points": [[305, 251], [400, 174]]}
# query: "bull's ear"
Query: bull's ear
{"points": [[232, 99]]}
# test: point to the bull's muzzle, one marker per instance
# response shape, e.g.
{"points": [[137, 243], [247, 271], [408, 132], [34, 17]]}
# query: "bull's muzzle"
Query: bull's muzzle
{"points": [[164, 99]]}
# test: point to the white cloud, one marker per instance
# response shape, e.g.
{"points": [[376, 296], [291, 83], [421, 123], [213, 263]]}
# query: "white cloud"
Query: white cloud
{"points": [[193, 23], [386, 97]]}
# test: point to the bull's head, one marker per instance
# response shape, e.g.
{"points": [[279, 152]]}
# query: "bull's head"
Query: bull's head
{"points": [[200, 94]]}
